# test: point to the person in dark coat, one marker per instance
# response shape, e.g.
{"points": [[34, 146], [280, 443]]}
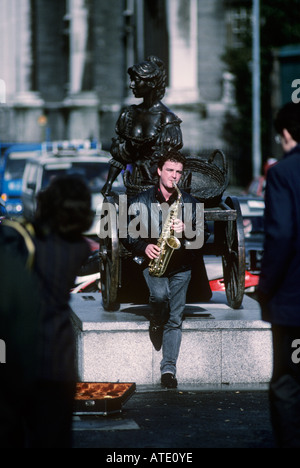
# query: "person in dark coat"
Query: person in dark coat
{"points": [[19, 331], [63, 215], [279, 291], [58, 250]]}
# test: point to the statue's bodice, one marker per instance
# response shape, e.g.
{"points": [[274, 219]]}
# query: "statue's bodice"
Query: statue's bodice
{"points": [[142, 136], [145, 129]]}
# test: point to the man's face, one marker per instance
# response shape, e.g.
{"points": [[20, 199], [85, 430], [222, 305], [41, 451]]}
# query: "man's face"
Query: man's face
{"points": [[171, 172]]}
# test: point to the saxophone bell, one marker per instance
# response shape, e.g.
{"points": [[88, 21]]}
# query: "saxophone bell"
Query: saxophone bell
{"points": [[173, 243]]}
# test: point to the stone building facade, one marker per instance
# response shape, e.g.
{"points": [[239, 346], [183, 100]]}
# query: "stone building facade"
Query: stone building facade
{"points": [[64, 65]]}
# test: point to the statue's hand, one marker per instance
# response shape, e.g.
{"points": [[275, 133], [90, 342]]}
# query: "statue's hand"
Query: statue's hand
{"points": [[112, 175], [106, 189]]}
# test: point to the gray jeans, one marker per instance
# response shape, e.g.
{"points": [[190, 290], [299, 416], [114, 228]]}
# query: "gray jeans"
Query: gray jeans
{"points": [[167, 301]]}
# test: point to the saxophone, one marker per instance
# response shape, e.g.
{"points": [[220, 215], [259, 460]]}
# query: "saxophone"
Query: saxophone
{"points": [[167, 242]]}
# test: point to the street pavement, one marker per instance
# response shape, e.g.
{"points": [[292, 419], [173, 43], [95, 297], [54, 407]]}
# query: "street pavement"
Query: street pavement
{"points": [[185, 419]]}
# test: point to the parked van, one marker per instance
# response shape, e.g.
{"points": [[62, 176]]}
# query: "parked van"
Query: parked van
{"points": [[91, 165], [11, 174]]}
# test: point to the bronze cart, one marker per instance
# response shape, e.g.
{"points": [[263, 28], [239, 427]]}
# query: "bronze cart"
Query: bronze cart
{"points": [[121, 278]]}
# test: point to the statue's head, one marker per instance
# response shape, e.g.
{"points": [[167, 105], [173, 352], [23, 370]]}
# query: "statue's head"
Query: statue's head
{"points": [[152, 70]]}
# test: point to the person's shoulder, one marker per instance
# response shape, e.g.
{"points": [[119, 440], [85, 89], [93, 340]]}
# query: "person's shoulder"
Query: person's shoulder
{"points": [[143, 196], [288, 166]]}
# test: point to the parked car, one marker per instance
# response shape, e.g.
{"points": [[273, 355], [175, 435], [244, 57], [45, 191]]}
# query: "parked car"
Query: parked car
{"points": [[91, 165], [3, 211], [11, 174], [253, 218], [252, 209]]}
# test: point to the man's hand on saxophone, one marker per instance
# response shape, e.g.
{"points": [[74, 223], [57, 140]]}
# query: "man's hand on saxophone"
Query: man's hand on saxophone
{"points": [[152, 251], [178, 226]]}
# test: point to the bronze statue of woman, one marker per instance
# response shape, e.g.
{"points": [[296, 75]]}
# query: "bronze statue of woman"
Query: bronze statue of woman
{"points": [[146, 130]]}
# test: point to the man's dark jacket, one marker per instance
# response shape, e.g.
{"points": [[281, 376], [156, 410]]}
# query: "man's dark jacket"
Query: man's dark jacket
{"points": [[183, 259], [279, 287]]}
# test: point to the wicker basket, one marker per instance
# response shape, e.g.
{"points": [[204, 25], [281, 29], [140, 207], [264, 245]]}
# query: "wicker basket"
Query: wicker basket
{"points": [[134, 189], [209, 180], [204, 179]]}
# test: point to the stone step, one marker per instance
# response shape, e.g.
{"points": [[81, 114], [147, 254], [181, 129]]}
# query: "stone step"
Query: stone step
{"points": [[220, 346]]}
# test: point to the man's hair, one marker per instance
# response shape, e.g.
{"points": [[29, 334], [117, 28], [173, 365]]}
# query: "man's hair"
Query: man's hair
{"points": [[288, 117], [174, 156], [65, 206]]}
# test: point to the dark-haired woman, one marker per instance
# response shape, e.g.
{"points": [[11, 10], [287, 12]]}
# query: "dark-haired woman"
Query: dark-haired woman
{"points": [[63, 215]]}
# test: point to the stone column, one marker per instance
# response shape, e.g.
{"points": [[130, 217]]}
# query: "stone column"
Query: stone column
{"points": [[183, 34], [228, 89], [2, 91], [16, 70], [82, 103]]}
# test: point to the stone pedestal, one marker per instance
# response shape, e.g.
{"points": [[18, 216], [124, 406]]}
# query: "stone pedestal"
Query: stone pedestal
{"points": [[220, 346]]}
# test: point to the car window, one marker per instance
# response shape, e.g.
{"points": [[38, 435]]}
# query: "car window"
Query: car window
{"points": [[14, 169], [2, 209], [31, 174], [253, 225], [94, 174]]}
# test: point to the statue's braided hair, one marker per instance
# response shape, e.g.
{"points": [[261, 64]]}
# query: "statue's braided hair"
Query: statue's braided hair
{"points": [[153, 70]]}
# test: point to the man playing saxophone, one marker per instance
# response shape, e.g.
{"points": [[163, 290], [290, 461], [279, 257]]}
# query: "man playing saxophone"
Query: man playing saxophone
{"points": [[168, 287]]}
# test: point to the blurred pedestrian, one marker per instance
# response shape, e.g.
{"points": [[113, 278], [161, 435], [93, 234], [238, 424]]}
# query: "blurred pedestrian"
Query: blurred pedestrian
{"points": [[63, 215], [279, 292], [19, 327]]}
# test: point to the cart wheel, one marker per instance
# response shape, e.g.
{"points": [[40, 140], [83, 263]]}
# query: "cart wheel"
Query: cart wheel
{"points": [[234, 257], [109, 255]]}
